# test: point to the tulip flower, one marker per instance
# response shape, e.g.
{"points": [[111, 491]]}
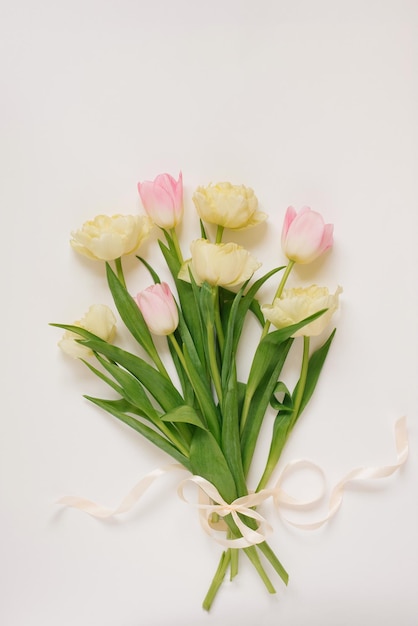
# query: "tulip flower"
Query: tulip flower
{"points": [[159, 309], [229, 206], [162, 199], [295, 305], [100, 321], [219, 264], [108, 238], [305, 236]]}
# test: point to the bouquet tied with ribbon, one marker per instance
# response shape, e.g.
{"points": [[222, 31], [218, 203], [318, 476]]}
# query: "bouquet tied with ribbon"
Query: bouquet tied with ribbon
{"points": [[208, 420]]}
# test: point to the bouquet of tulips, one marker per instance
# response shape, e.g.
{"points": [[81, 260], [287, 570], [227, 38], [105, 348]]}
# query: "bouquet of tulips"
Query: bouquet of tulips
{"points": [[208, 420]]}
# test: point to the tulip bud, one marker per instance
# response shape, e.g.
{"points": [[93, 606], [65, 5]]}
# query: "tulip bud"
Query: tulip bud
{"points": [[163, 200], [159, 309], [305, 236]]}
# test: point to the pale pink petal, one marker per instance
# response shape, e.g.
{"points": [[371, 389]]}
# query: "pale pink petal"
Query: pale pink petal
{"points": [[327, 237], [288, 219]]}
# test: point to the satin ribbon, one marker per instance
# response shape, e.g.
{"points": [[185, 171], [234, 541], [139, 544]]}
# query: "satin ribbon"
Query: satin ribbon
{"points": [[211, 502]]}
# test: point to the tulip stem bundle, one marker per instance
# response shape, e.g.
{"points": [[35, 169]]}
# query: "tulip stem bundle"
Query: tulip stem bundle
{"points": [[210, 421]]}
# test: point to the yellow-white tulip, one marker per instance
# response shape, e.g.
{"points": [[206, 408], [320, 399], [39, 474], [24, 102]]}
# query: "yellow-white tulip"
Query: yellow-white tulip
{"points": [[106, 238], [230, 206], [223, 264], [294, 305], [98, 320]]}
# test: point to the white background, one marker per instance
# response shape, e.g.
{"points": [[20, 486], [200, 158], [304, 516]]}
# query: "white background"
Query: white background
{"points": [[308, 102]]}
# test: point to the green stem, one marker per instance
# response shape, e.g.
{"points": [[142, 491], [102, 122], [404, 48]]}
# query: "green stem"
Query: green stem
{"points": [[160, 365], [218, 322], [213, 364], [217, 579], [244, 412], [219, 234], [269, 554], [176, 245], [179, 353], [302, 382], [252, 554], [234, 563], [279, 293], [119, 271]]}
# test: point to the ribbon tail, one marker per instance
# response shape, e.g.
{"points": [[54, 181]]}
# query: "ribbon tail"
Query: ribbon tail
{"points": [[128, 502], [361, 474]]}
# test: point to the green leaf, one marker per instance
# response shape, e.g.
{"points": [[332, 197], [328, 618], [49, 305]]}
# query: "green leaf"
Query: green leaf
{"points": [[204, 396], [249, 302], [286, 403], [160, 387], [231, 443], [147, 432], [280, 435], [103, 377], [202, 230], [153, 273], [130, 389], [259, 401], [228, 360], [188, 298], [316, 363], [234, 309], [130, 313], [286, 418], [188, 393], [206, 303], [208, 461], [266, 350], [185, 414]]}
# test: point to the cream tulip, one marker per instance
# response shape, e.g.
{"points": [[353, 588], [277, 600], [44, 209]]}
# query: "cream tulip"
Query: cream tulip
{"points": [[223, 264], [108, 238], [294, 305], [227, 205], [98, 320]]}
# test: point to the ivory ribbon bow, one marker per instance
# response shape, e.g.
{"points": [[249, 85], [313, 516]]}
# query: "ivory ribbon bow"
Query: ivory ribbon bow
{"points": [[212, 502]]}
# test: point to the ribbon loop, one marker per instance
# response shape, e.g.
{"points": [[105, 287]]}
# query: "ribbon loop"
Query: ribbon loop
{"points": [[214, 503]]}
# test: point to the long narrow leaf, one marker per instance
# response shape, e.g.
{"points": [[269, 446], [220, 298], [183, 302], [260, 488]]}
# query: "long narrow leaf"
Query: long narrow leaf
{"points": [[249, 302], [266, 350], [231, 443], [185, 414], [204, 397], [188, 302], [151, 270], [158, 385], [260, 401], [141, 428], [316, 363], [208, 461], [131, 389], [130, 313], [228, 361]]}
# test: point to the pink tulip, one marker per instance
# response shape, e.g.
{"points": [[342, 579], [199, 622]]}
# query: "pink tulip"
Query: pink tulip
{"points": [[305, 236], [159, 309], [163, 200]]}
